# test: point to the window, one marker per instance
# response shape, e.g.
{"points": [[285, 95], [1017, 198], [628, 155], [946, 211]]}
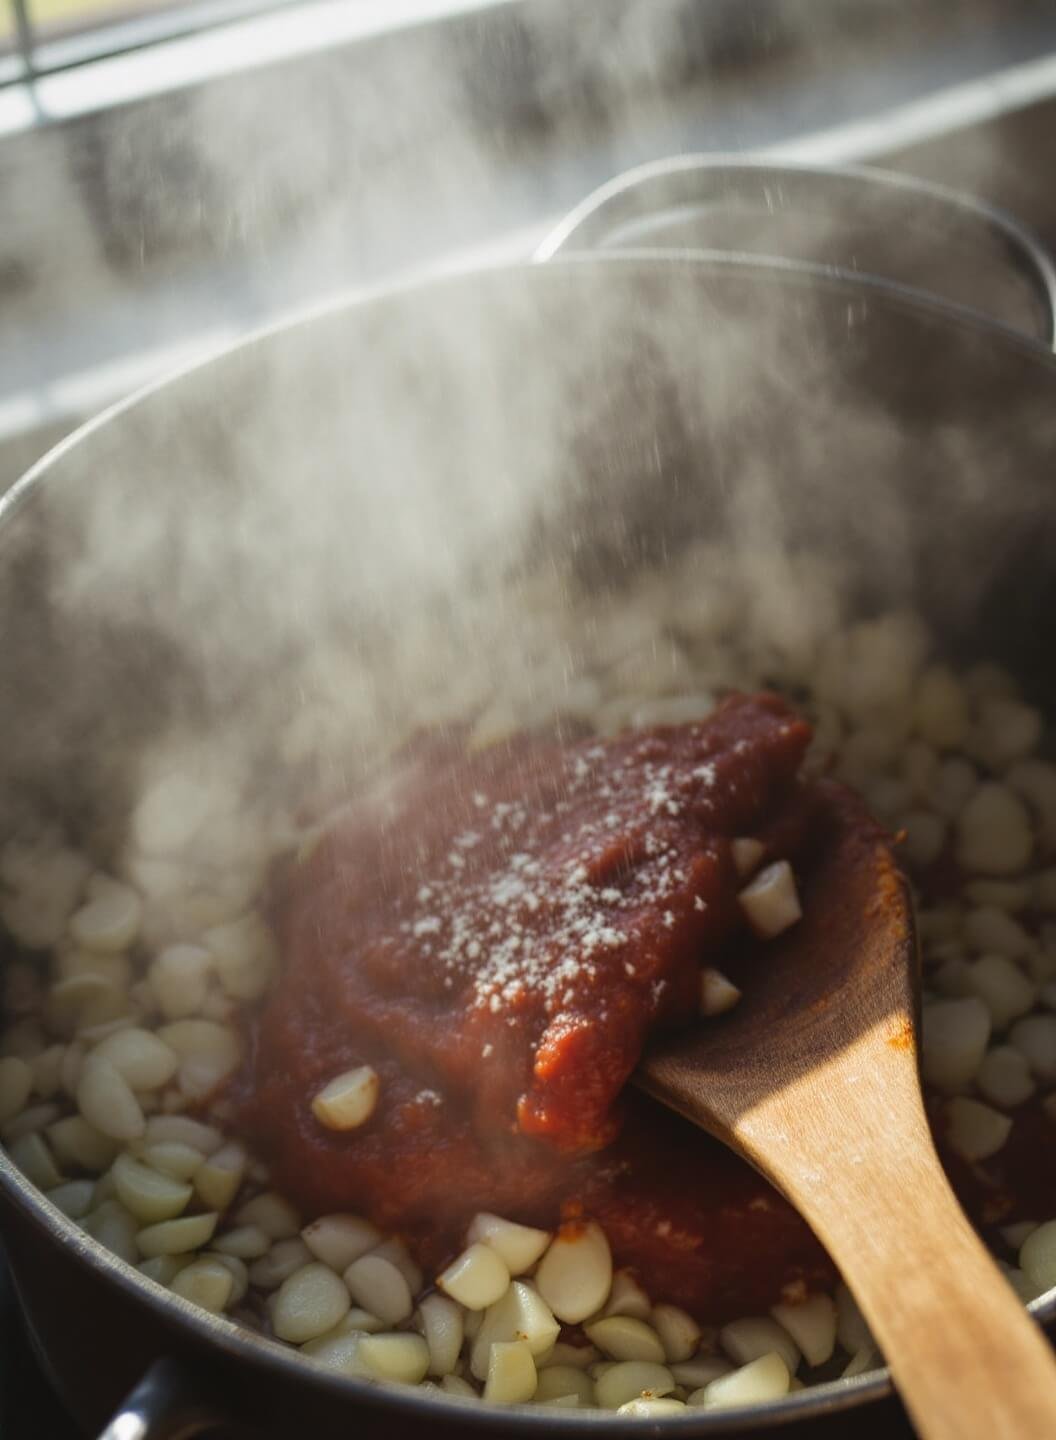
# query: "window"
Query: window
{"points": [[39, 37]]}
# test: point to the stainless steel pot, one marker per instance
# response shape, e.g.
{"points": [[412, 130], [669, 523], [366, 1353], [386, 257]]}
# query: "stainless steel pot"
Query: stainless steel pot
{"points": [[418, 453]]}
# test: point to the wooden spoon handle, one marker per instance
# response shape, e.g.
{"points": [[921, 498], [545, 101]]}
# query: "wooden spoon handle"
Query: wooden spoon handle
{"points": [[967, 1359]]}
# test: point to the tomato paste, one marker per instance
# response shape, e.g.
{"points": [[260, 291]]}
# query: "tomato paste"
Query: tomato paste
{"points": [[498, 935]]}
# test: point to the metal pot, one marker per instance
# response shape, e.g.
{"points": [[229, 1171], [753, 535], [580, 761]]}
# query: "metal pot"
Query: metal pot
{"points": [[398, 456]]}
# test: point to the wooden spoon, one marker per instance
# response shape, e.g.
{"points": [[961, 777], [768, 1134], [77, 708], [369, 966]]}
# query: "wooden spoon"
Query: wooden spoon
{"points": [[813, 1079]]}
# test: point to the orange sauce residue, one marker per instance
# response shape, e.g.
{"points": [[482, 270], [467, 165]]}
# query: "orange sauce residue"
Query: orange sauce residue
{"points": [[902, 1039]]}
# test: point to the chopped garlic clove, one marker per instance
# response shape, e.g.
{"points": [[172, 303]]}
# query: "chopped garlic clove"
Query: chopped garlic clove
{"points": [[176, 1237], [755, 1336], [377, 1285], [624, 1338], [955, 1035], [627, 1380], [717, 993], [348, 1101], [575, 1274], [338, 1240], [974, 1130], [511, 1374], [205, 1282], [679, 1333], [812, 1325], [518, 1246], [308, 1304], [771, 902], [476, 1279], [440, 1321], [766, 1378], [402, 1359]]}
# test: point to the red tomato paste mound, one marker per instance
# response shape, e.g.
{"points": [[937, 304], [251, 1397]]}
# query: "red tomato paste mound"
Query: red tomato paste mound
{"points": [[498, 935]]}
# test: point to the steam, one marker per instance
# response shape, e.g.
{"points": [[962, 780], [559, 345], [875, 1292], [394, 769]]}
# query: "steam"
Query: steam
{"points": [[457, 505]]}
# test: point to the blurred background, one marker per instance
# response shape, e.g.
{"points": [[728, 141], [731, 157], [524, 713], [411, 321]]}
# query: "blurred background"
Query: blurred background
{"points": [[174, 173]]}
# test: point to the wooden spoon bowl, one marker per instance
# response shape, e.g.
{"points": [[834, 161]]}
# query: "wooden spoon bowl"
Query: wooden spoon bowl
{"points": [[814, 1079]]}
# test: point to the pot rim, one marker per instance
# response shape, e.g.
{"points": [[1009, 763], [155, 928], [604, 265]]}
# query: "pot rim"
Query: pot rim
{"points": [[239, 1343]]}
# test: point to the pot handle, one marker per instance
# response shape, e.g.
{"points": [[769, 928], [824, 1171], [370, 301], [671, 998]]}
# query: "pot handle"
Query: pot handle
{"points": [[169, 1403], [672, 204]]}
